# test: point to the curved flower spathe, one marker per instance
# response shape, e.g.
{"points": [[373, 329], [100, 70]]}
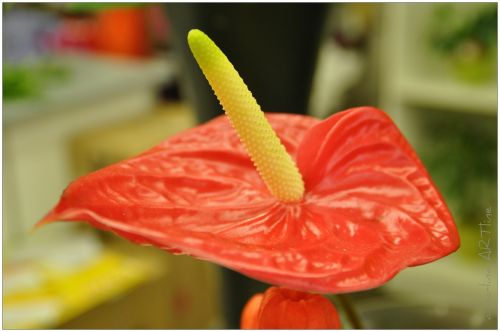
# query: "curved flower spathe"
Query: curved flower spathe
{"points": [[369, 209], [281, 308]]}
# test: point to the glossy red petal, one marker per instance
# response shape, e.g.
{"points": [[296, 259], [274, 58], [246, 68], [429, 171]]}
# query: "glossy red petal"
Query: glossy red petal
{"points": [[281, 308], [376, 210], [369, 211], [196, 193]]}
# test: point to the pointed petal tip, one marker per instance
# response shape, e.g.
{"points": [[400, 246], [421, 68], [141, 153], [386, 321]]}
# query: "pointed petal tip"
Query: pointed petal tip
{"points": [[48, 219]]}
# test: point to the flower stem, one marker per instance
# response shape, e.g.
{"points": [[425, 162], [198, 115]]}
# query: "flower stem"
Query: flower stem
{"points": [[350, 311]]}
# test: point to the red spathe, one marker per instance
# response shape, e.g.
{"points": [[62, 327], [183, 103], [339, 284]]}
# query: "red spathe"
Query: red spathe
{"points": [[370, 208]]}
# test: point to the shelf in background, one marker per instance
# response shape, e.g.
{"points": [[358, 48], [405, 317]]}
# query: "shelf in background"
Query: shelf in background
{"points": [[450, 95], [452, 281], [91, 78]]}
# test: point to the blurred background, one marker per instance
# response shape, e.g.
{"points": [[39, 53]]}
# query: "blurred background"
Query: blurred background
{"points": [[87, 85]]}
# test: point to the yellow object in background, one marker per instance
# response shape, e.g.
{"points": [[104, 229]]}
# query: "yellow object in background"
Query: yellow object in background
{"points": [[61, 296]]}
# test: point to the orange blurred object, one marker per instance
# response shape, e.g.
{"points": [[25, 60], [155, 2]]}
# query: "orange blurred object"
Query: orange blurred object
{"points": [[282, 308], [250, 312], [123, 31]]}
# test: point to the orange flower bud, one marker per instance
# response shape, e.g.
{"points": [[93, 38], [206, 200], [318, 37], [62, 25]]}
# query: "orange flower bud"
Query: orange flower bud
{"points": [[282, 308]]}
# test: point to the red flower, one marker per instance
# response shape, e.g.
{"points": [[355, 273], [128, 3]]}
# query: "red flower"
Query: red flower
{"points": [[281, 308], [369, 209]]}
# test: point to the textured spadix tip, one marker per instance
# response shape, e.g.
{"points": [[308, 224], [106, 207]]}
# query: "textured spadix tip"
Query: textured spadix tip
{"points": [[203, 48], [274, 164], [196, 37]]}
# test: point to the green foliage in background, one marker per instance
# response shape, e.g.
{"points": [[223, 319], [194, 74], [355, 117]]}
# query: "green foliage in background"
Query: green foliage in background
{"points": [[18, 83], [28, 81], [92, 7], [461, 156], [466, 37], [451, 30]]}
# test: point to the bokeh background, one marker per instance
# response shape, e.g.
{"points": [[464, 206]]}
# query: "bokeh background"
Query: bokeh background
{"points": [[87, 85]]}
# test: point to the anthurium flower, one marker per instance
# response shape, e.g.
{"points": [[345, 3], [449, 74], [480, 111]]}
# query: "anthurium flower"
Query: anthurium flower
{"points": [[282, 308], [331, 206]]}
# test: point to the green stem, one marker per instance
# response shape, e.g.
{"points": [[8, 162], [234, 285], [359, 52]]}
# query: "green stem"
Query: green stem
{"points": [[350, 311]]}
